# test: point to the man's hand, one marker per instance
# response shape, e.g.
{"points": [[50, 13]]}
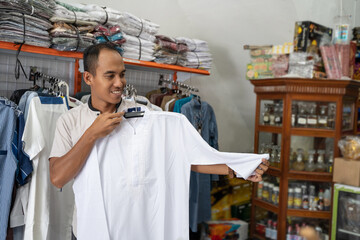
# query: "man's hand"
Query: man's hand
{"points": [[259, 171], [105, 123]]}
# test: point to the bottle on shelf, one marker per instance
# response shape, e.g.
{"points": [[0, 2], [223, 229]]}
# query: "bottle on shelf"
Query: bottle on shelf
{"points": [[321, 200], [297, 198], [265, 192], [323, 116], [310, 165], [330, 162], [320, 165], [274, 231], [312, 119], [275, 195], [275, 155], [304, 197], [271, 190], [290, 198], [289, 235], [302, 115], [299, 165], [268, 230], [331, 116], [327, 200], [278, 156], [312, 201]]}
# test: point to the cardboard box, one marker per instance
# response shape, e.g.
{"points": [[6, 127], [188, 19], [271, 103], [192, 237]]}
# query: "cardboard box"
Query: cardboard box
{"points": [[232, 229], [347, 172], [308, 33]]}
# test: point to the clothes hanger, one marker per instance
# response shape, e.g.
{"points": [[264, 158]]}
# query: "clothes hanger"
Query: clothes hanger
{"points": [[130, 93]]}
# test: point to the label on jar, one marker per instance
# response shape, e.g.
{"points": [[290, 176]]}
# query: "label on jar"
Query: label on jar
{"points": [[302, 121], [323, 121], [266, 119], [265, 195], [312, 121]]}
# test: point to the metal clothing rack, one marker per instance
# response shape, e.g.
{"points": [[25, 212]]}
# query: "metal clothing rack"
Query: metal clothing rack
{"points": [[177, 84]]}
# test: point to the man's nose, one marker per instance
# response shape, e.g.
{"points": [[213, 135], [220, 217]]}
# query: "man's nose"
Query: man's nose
{"points": [[119, 82]]}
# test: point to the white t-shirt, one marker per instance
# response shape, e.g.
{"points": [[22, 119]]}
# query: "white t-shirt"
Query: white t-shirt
{"points": [[135, 182], [49, 210]]}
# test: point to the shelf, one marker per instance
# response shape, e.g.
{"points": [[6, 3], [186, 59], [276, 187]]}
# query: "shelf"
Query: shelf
{"points": [[79, 55], [349, 232], [309, 214], [272, 129], [313, 132], [310, 176], [265, 205]]}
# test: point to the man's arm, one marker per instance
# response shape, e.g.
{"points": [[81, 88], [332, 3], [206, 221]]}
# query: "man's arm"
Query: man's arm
{"points": [[223, 169], [65, 168]]}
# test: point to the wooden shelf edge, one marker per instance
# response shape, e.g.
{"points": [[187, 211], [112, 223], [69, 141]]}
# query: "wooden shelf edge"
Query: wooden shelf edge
{"points": [[309, 214], [273, 171], [79, 55], [268, 206], [310, 176], [312, 132], [272, 129]]}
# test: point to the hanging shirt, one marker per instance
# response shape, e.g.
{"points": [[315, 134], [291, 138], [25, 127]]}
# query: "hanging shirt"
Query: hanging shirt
{"points": [[135, 182], [202, 117], [49, 211], [8, 162]]}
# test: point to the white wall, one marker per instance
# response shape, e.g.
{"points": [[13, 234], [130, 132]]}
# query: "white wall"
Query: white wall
{"points": [[227, 25]]}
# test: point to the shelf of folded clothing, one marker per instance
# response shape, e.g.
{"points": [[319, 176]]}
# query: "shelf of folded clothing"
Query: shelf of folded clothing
{"points": [[79, 55]]}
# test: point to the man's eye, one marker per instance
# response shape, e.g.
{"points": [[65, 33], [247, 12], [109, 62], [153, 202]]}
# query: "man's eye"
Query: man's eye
{"points": [[109, 76]]}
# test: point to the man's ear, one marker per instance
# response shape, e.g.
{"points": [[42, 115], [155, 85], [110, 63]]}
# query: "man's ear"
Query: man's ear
{"points": [[88, 77]]}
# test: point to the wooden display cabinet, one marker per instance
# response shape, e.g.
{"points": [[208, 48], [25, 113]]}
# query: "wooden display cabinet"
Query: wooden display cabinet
{"points": [[330, 113]]}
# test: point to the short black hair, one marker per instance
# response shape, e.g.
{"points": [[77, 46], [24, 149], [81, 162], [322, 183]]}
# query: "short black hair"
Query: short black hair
{"points": [[91, 56]]}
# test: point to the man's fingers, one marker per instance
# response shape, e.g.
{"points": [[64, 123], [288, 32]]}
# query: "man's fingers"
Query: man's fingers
{"points": [[263, 167], [266, 162], [259, 171]]}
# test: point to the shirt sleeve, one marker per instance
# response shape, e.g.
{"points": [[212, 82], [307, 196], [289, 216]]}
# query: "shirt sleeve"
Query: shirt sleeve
{"points": [[62, 139], [199, 152], [33, 138]]}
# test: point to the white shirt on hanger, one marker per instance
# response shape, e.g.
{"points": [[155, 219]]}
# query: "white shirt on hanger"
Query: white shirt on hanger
{"points": [[135, 182]]}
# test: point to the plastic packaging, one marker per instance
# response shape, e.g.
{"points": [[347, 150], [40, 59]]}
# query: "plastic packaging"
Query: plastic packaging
{"points": [[301, 64], [350, 147]]}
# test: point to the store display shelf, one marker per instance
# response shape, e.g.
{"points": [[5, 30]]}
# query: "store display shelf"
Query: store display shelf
{"points": [[309, 214], [257, 236], [349, 232], [79, 55], [313, 132], [272, 129], [266, 205], [310, 176]]}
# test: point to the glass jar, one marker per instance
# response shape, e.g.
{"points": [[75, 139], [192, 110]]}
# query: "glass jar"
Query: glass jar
{"points": [[265, 192], [323, 116], [299, 165], [310, 165], [312, 117], [304, 197], [320, 165], [302, 115]]}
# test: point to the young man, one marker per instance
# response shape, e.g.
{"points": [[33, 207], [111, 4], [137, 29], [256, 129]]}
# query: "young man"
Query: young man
{"points": [[84, 131]]}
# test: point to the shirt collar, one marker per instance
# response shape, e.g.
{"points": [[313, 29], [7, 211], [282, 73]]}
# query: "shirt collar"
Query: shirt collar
{"points": [[96, 110]]}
